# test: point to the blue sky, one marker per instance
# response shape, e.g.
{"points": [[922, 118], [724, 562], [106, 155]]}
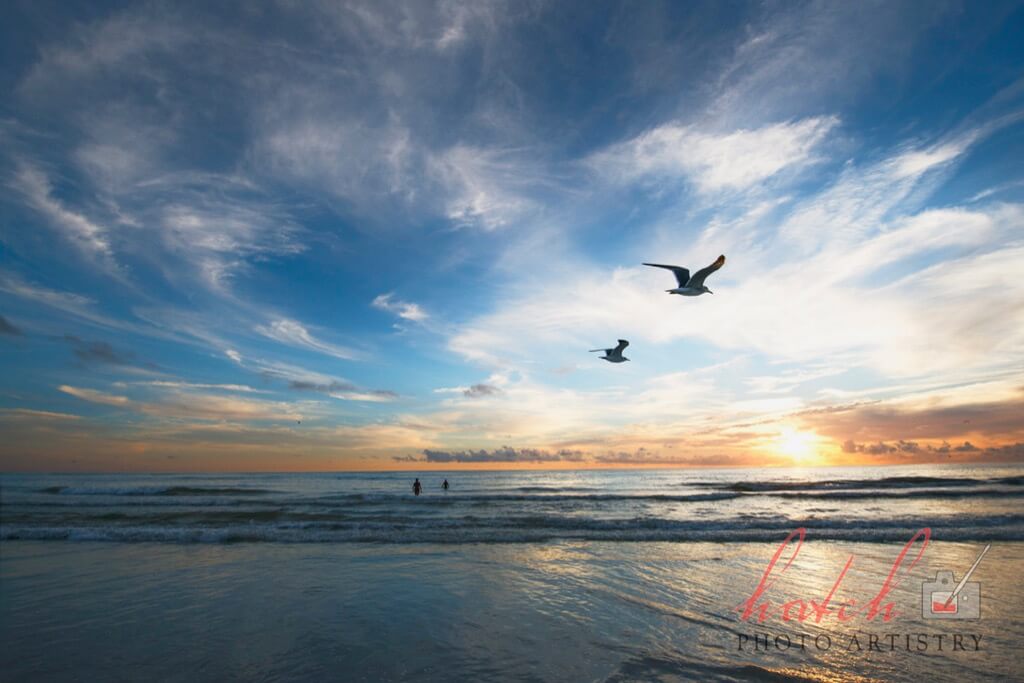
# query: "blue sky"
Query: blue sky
{"points": [[374, 235]]}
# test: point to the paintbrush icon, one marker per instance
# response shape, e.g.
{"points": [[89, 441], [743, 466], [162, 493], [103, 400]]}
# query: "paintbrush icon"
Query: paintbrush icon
{"points": [[943, 603]]}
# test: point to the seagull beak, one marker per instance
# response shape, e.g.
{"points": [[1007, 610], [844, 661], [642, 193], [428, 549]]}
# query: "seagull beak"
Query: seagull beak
{"points": [[710, 292]]}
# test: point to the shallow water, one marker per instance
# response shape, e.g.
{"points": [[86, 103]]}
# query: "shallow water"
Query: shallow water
{"points": [[562, 610]]}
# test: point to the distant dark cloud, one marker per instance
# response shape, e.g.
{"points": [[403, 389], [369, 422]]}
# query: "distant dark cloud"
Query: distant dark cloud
{"points": [[643, 456], [98, 353], [337, 387], [303, 385], [7, 328], [481, 390], [383, 393], [640, 456], [965, 447], [503, 454], [1009, 453], [842, 408], [911, 447], [890, 429]]}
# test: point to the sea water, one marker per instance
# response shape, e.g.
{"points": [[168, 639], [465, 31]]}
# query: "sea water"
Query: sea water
{"points": [[593, 575]]}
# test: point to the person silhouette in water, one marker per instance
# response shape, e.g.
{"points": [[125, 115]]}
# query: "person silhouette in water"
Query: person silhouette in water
{"points": [[416, 486], [445, 485]]}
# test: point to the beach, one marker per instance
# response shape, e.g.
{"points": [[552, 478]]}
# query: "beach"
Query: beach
{"points": [[430, 340], [153, 595]]}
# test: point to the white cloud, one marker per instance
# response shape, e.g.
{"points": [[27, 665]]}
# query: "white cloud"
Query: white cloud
{"points": [[916, 163], [28, 413], [486, 188], [125, 40], [801, 56], [290, 373], [93, 396], [814, 286], [195, 405], [363, 396], [403, 309], [91, 238], [714, 162], [80, 307], [360, 161], [65, 301], [173, 384], [460, 21], [864, 198], [218, 237], [184, 403], [293, 333]]}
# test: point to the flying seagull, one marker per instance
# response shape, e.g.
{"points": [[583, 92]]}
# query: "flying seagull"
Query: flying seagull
{"points": [[691, 285], [614, 355]]}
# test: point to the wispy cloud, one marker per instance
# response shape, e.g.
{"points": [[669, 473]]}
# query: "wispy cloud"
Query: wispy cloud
{"points": [[69, 302], [92, 239], [345, 391], [189, 404], [293, 333], [360, 161], [218, 237], [714, 161], [94, 396], [300, 379], [805, 55], [175, 384], [486, 188], [23, 413], [403, 309]]}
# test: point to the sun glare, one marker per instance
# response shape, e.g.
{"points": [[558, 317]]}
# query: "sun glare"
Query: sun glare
{"points": [[798, 446]]}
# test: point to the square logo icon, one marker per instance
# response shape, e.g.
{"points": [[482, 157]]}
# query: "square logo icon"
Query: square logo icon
{"points": [[939, 602], [945, 598]]}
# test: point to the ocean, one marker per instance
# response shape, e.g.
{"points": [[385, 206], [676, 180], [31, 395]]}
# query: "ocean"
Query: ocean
{"points": [[524, 575]]}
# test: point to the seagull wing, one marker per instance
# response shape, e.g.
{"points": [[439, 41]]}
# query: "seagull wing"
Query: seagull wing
{"points": [[682, 274], [599, 350], [620, 348], [698, 278]]}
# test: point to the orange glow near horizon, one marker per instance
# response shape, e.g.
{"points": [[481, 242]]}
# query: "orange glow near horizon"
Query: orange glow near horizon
{"points": [[800, 447]]}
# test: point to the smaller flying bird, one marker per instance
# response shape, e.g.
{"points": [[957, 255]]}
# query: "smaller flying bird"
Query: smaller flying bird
{"points": [[613, 355], [691, 285]]}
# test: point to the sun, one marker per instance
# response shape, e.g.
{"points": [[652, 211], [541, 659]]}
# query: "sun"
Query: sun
{"points": [[796, 445]]}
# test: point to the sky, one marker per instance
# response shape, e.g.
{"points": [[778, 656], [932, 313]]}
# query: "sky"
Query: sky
{"points": [[264, 236]]}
